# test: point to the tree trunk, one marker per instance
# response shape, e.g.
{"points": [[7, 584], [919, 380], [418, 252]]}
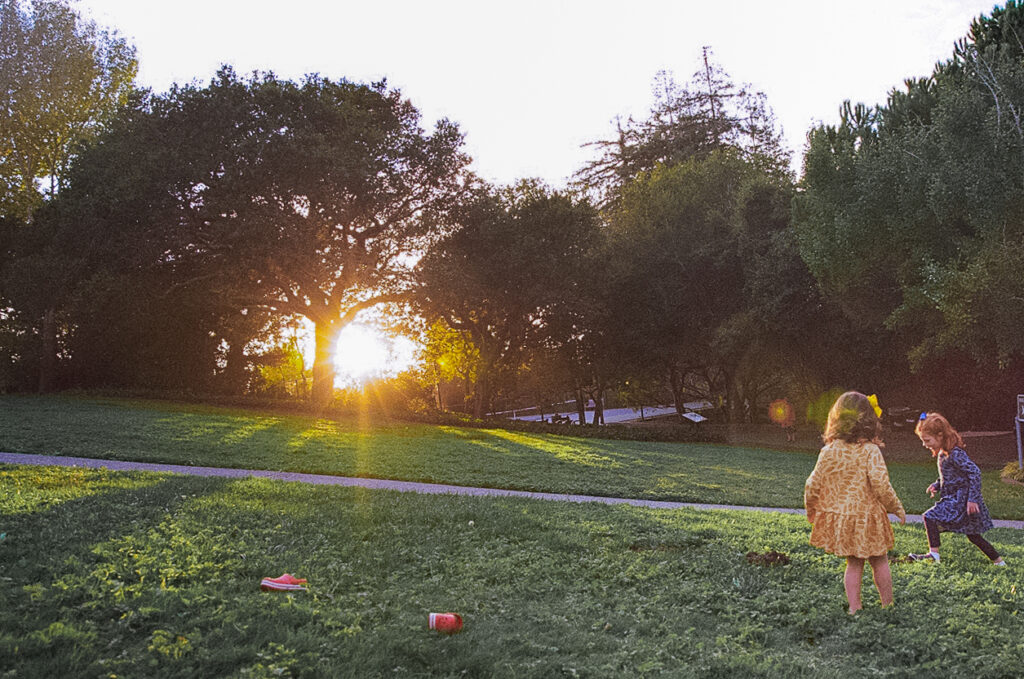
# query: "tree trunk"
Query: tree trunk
{"points": [[323, 364], [234, 378], [598, 396], [48, 356], [581, 403], [733, 411], [599, 407], [482, 388], [676, 382], [481, 395]]}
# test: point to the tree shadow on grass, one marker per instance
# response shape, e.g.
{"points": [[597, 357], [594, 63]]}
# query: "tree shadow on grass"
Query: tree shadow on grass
{"points": [[147, 580], [45, 538], [55, 579]]}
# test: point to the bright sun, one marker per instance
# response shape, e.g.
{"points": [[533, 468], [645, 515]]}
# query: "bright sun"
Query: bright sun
{"points": [[364, 353]]}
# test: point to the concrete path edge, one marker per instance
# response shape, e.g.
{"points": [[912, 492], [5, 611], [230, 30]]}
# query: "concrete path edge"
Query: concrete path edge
{"points": [[402, 486]]}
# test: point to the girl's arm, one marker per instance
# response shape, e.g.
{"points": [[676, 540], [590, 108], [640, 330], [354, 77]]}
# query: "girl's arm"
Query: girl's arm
{"points": [[878, 477], [811, 490]]}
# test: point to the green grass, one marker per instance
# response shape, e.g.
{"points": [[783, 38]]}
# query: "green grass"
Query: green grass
{"points": [[189, 434], [108, 574]]}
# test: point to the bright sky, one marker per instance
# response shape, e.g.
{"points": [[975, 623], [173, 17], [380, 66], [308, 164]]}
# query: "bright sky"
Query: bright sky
{"points": [[529, 81]]}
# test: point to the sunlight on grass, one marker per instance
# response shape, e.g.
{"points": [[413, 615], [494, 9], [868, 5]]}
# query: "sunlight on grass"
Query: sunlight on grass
{"points": [[248, 430], [28, 489], [741, 473], [689, 484], [495, 446], [164, 581], [182, 427], [464, 434], [266, 496], [576, 454], [321, 430], [363, 443], [188, 434]]}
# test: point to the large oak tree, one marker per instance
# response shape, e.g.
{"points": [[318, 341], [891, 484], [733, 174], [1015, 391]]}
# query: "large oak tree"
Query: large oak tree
{"points": [[304, 198]]}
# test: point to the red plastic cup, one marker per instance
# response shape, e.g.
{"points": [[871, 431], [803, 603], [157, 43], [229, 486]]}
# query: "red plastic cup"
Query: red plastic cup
{"points": [[449, 623]]}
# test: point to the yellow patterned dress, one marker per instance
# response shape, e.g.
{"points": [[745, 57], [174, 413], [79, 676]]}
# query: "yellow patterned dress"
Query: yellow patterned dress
{"points": [[848, 496]]}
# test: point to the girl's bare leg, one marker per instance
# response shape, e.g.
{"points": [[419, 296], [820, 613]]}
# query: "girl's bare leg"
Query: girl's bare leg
{"points": [[883, 578], [851, 581]]}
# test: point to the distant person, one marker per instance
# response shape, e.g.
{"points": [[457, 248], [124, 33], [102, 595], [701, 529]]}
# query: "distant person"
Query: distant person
{"points": [[781, 412], [848, 495], [961, 508]]}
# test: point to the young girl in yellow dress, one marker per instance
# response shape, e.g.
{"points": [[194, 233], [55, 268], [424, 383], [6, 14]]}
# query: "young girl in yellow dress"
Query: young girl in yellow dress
{"points": [[848, 496]]}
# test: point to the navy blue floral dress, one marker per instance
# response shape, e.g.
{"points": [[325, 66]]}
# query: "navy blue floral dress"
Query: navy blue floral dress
{"points": [[960, 483]]}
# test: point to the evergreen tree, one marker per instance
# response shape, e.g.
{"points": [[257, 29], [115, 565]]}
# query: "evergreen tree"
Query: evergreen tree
{"points": [[911, 212], [688, 121]]}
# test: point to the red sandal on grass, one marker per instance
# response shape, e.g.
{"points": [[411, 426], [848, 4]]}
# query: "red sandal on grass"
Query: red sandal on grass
{"points": [[283, 583]]}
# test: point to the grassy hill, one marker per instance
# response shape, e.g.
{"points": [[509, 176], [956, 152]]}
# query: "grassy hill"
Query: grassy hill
{"points": [[118, 574], [152, 431]]}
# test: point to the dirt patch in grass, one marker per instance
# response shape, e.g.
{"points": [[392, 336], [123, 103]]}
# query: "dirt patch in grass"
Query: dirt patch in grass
{"points": [[770, 558]]}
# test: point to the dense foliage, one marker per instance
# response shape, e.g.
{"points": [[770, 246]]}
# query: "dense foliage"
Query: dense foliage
{"points": [[682, 300], [189, 239], [250, 196], [910, 215], [62, 79], [502, 277]]}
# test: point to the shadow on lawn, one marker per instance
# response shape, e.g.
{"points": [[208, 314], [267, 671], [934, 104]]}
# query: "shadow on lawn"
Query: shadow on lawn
{"points": [[69, 530]]}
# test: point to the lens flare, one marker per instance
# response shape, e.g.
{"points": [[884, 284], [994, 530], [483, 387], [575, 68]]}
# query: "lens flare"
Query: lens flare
{"points": [[781, 412]]}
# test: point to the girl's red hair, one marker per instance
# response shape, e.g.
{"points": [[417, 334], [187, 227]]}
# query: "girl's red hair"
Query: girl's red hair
{"points": [[934, 424]]}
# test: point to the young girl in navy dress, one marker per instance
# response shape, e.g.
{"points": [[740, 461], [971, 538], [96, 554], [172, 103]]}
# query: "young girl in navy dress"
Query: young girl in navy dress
{"points": [[961, 508]]}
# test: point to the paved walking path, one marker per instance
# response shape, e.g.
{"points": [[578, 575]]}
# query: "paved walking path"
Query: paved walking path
{"points": [[387, 484]]}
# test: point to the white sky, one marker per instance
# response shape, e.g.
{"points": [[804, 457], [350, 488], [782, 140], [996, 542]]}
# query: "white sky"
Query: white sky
{"points": [[529, 81]]}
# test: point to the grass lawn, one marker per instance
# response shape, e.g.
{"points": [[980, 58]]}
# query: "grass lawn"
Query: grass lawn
{"points": [[108, 574], [189, 434]]}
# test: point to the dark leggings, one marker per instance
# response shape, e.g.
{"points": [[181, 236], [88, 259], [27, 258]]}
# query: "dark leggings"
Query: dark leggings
{"points": [[981, 543]]}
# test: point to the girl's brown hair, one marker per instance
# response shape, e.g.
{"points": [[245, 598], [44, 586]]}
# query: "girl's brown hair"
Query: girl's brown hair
{"points": [[934, 424], [853, 419]]}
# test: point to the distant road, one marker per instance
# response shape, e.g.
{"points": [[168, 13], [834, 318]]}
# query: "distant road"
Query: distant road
{"points": [[611, 415]]}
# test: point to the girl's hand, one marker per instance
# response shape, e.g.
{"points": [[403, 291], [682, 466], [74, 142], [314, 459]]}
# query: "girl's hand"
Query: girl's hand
{"points": [[972, 507], [932, 489]]}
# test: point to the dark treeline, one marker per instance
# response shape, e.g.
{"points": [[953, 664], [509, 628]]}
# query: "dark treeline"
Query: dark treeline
{"points": [[171, 242]]}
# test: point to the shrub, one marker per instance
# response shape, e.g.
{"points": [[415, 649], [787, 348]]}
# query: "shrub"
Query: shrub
{"points": [[1011, 472]]}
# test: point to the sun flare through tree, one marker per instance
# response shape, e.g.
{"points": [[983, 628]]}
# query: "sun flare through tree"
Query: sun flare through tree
{"points": [[363, 353]]}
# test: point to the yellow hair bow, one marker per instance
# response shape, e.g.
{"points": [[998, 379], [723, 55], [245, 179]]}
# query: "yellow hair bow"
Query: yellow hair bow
{"points": [[873, 400]]}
